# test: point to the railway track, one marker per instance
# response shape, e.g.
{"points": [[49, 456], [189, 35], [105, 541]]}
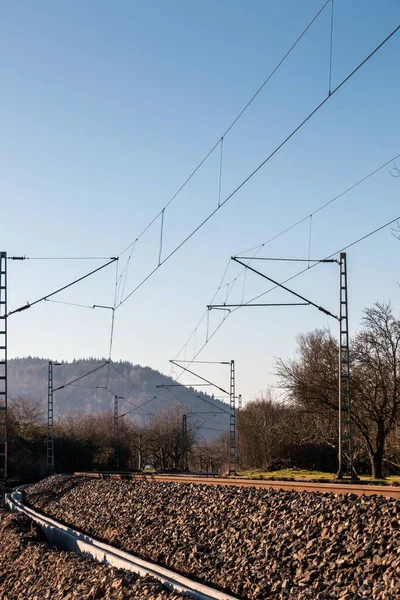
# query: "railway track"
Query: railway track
{"points": [[67, 538], [248, 542], [296, 486]]}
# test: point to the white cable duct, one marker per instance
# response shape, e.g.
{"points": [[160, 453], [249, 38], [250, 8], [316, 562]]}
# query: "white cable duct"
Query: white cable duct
{"points": [[66, 538]]}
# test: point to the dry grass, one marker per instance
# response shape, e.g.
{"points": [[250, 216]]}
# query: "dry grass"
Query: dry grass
{"points": [[304, 475]]}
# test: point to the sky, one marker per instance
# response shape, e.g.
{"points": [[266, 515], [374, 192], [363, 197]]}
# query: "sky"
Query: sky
{"points": [[107, 108]]}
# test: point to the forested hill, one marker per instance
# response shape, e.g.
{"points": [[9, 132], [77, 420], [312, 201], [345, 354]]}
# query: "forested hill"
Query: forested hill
{"points": [[28, 378]]}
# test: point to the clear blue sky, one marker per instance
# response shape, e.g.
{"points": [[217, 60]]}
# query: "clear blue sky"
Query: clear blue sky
{"points": [[107, 107]]}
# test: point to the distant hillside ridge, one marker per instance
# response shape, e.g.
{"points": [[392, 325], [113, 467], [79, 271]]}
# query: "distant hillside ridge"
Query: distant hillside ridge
{"points": [[28, 378]]}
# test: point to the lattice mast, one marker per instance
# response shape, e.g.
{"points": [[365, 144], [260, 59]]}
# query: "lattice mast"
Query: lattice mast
{"points": [[3, 367], [184, 443], [239, 408], [346, 466], [116, 433], [50, 421], [232, 422], [233, 453]]}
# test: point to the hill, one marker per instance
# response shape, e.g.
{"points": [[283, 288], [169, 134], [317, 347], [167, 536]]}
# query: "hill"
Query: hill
{"points": [[28, 378]]}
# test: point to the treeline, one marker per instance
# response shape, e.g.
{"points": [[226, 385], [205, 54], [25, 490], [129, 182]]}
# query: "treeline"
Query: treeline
{"points": [[300, 429], [87, 442], [274, 435]]}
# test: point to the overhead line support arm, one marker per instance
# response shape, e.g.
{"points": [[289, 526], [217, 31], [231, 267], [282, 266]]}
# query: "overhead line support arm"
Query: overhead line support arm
{"points": [[321, 308], [28, 305], [202, 378]]}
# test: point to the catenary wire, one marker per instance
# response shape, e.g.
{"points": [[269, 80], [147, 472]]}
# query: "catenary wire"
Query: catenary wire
{"points": [[323, 206], [261, 165], [259, 247], [135, 385], [79, 378], [112, 323], [137, 407], [91, 387], [197, 396], [155, 397], [206, 311], [28, 305], [70, 303], [59, 257], [231, 125], [357, 241]]}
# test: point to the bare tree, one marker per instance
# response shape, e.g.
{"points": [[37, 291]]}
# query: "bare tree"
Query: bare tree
{"points": [[258, 424], [376, 381], [167, 441], [311, 380], [25, 416], [211, 456]]}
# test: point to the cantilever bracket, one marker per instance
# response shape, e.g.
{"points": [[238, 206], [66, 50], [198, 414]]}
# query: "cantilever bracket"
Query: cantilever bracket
{"points": [[321, 308]]}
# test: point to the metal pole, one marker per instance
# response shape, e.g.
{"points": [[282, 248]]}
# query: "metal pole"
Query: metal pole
{"points": [[346, 467], [50, 422], [116, 439], [3, 367], [139, 451], [232, 422], [184, 443]]}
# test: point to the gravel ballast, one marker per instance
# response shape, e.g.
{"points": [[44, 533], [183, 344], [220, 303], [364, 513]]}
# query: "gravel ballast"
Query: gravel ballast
{"points": [[255, 543], [30, 569]]}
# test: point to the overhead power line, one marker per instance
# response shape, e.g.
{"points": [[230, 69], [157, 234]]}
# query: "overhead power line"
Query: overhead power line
{"points": [[233, 123], [259, 247], [153, 397], [306, 300], [81, 377], [91, 387], [248, 303], [60, 258], [264, 162], [202, 398], [176, 397], [324, 205], [137, 407], [71, 303], [101, 387], [357, 241], [29, 304]]}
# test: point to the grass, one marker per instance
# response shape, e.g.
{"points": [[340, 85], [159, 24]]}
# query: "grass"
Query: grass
{"points": [[304, 475]]}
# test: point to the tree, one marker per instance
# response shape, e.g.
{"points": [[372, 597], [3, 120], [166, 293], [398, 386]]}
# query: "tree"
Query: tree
{"points": [[25, 415], [141, 444], [311, 379], [376, 381], [259, 423], [275, 435], [211, 456], [166, 437], [26, 437]]}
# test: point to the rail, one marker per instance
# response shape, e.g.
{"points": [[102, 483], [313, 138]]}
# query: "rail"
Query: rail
{"points": [[296, 486], [68, 538]]}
